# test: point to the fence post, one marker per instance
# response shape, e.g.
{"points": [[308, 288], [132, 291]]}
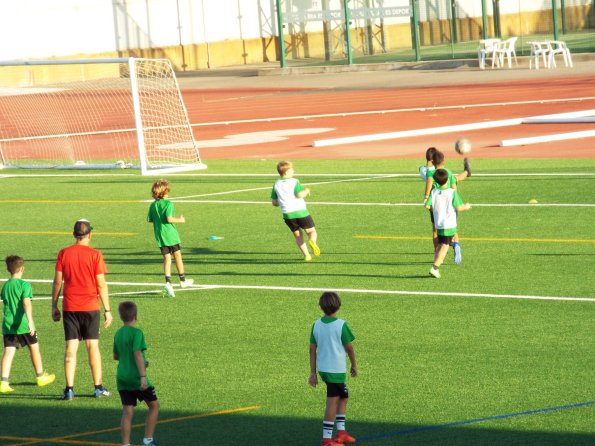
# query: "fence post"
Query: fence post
{"points": [[281, 36], [415, 28], [348, 32], [454, 38], [555, 18], [563, 15], [484, 20]]}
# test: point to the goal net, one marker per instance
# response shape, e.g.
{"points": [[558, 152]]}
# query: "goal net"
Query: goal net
{"points": [[95, 113]]}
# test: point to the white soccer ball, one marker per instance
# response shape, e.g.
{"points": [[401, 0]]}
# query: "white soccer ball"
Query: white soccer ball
{"points": [[463, 146]]}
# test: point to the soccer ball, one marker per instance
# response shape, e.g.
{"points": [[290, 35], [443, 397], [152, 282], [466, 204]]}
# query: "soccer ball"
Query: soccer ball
{"points": [[463, 146]]}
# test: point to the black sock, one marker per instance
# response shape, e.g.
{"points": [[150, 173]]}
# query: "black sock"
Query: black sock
{"points": [[68, 388], [167, 279], [182, 277], [99, 386]]}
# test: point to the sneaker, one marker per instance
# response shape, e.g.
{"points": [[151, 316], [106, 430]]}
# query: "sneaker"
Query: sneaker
{"points": [[186, 283], [343, 438], [5, 387], [68, 395], [45, 379], [435, 273], [315, 248], [101, 393], [467, 167], [308, 259], [329, 442], [458, 255], [151, 443], [168, 290]]}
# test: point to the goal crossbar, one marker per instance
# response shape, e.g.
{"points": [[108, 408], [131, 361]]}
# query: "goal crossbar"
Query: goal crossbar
{"points": [[86, 113]]}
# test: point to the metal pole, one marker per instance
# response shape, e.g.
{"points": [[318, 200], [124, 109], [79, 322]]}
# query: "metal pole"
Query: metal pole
{"points": [[563, 15], [281, 36], [415, 29], [348, 32], [484, 20], [454, 38], [555, 18], [180, 36]]}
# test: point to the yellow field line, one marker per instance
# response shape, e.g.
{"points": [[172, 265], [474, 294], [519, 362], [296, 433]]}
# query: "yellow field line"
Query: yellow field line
{"points": [[129, 234], [66, 438], [477, 239], [72, 201]]}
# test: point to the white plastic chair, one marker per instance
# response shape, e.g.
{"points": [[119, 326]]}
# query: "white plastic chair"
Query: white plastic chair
{"points": [[505, 49], [559, 47], [540, 50], [486, 49]]}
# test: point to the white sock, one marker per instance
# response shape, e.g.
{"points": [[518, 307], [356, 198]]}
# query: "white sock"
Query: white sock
{"points": [[147, 440], [340, 420], [327, 429]]}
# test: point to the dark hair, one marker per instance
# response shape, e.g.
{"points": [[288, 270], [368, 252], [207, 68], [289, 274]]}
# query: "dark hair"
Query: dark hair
{"points": [[437, 158], [441, 176], [14, 264], [127, 310], [82, 228], [329, 302], [430, 153]]}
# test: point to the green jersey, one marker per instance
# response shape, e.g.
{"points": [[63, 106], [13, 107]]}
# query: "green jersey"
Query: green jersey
{"points": [[127, 340], [13, 292], [166, 233], [452, 179]]}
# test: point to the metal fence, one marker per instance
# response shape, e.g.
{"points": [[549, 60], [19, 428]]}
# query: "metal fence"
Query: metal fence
{"points": [[317, 32]]}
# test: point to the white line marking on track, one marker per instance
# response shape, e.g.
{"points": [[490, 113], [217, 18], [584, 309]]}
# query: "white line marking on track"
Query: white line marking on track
{"points": [[341, 290]]}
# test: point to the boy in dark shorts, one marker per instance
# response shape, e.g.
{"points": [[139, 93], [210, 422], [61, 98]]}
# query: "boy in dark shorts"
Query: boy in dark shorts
{"points": [[131, 376], [445, 202], [17, 325], [330, 343], [289, 194], [161, 214]]}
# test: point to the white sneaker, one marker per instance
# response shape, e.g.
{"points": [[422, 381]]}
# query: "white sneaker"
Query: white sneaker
{"points": [[186, 283], [435, 273], [168, 290]]}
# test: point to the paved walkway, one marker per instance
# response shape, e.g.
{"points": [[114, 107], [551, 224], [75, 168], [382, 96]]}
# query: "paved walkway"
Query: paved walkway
{"points": [[379, 75]]}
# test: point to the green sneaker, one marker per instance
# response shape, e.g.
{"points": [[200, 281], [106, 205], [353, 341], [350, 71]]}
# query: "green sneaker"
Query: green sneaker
{"points": [[315, 248]]}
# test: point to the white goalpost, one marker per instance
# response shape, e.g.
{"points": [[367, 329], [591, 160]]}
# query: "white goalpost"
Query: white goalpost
{"points": [[94, 114]]}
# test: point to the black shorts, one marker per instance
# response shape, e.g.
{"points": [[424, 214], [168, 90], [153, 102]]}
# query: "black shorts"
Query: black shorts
{"points": [[296, 223], [130, 397], [81, 325], [337, 389], [169, 249], [19, 340], [445, 239]]}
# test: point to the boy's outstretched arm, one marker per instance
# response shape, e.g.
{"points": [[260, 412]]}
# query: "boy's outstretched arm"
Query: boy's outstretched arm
{"points": [[29, 314], [464, 207], [303, 193], [313, 379], [351, 353], [275, 202], [428, 189], [56, 288], [181, 219]]}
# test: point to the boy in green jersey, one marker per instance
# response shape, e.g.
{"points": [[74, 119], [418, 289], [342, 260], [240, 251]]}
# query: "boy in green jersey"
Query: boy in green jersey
{"points": [[445, 202], [161, 214], [431, 183], [330, 343], [131, 376], [289, 194], [17, 326]]}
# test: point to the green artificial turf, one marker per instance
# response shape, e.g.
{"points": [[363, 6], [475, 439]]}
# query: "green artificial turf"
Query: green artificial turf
{"points": [[463, 360]]}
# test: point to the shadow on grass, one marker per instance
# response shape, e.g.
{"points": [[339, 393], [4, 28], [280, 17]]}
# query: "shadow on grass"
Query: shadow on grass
{"points": [[89, 422]]}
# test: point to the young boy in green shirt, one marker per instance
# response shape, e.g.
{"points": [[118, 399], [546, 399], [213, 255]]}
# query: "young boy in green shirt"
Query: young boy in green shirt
{"points": [[131, 376], [330, 343], [289, 194], [161, 214], [445, 202], [17, 326]]}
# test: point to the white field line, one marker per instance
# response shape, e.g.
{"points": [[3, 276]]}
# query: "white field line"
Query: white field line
{"points": [[271, 186], [337, 203], [547, 138], [340, 290], [440, 130], [395, 110]]}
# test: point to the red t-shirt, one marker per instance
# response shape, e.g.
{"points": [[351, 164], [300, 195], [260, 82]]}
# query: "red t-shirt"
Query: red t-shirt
{"points": [[80, 265]]}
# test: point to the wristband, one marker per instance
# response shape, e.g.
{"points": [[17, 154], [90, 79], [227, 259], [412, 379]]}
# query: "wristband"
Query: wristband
{"points": [[107, 311]]}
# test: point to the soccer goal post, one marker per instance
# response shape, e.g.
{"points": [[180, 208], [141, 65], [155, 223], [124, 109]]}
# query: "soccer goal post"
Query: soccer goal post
{"points": [[93, 114]]}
